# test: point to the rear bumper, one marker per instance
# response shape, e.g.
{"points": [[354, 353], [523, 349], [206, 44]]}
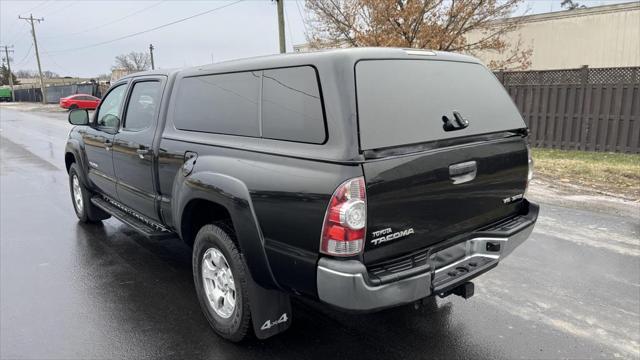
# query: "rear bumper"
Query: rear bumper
{"points": [[346, 284]]}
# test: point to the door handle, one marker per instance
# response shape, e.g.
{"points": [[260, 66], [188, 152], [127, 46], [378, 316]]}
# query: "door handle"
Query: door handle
{"points": [[458, 122], [142, 152], [108, 145], [463, 172]]}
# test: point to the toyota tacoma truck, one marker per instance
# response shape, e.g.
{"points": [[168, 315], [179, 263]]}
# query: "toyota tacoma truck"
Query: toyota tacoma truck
{"points": [[359, 178]]}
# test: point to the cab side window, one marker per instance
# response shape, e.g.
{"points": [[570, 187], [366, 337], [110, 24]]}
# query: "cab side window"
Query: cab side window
{"points": [[107, 116], [143, 105]]}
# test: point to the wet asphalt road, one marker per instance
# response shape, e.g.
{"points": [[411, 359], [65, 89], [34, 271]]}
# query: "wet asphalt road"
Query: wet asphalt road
{"points": [[74, 291]]}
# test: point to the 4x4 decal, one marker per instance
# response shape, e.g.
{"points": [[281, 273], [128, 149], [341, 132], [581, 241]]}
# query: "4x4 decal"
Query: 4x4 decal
{"points": [[269, 324]]}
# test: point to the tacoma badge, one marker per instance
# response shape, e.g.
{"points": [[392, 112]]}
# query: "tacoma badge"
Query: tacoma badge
{"points": [[391, 236]]}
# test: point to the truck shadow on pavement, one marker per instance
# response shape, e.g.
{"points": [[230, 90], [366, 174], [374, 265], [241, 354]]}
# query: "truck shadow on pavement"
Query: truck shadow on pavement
{"points": [[144, 290]]}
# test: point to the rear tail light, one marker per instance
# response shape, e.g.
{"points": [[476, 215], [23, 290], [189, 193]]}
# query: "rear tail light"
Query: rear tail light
{"points": [[345, 221]]}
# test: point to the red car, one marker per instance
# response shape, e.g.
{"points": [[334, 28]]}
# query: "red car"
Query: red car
{"points": [[79, 101]]}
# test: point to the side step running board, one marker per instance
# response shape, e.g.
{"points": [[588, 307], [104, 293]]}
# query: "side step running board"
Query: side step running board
{"points": [[144, 226]]}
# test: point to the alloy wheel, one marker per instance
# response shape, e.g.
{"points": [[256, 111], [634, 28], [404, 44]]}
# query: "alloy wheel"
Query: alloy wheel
{"points": [[218, 282]]}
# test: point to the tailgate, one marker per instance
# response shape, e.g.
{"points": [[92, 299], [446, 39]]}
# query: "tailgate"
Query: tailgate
{"points": [[444, 152], [413, 201]]}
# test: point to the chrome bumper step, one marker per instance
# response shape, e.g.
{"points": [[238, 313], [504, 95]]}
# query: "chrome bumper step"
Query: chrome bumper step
{"points": [[449, 277]]}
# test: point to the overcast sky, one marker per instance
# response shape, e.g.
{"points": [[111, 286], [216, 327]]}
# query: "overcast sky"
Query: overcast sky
{"points": [[71, 28]]}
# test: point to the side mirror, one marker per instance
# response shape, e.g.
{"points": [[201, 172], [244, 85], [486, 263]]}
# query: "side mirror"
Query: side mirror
{"points": [[79, 117], [109, 123]]}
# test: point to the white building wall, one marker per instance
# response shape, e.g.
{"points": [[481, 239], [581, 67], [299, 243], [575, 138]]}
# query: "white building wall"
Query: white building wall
{"points": [[604, 36]]}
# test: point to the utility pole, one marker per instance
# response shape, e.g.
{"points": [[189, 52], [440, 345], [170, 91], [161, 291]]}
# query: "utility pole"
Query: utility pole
{"points": [[283, 44], [153, 66], [31, 19], [6, 51]]}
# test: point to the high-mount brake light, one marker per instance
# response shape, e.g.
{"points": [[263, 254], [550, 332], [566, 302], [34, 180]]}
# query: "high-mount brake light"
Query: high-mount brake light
{"points": [[345, 221]]}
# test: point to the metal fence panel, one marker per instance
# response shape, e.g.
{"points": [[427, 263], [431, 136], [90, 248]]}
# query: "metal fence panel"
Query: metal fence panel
{"points": [[56, 92], [28, 95], [579, 109]]}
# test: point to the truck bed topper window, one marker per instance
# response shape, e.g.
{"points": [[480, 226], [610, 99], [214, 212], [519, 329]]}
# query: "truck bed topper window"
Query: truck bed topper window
{"points": [[403, 102], [281, 104]]}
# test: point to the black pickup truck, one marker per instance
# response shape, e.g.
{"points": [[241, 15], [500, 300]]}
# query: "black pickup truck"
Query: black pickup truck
{"points": [[361, 178]]}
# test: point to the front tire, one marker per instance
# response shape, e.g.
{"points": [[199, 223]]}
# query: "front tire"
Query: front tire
{"points": [[81, 198], [221, 282]]}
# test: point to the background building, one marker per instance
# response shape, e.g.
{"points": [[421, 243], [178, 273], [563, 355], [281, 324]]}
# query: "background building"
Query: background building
{"points": [[600, 36]]}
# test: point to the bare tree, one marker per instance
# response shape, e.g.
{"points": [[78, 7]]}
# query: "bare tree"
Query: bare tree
{"points": [[133, 61], [25, 74], [50, 74], [426, 24]]}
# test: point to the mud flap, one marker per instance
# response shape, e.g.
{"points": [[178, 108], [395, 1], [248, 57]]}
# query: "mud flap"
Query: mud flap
{"points": [[270, 310]]}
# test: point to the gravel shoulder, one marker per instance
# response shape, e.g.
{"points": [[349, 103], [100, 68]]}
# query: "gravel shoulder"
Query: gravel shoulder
{"points": [[29, 106], [604, 173], [550, 191]]}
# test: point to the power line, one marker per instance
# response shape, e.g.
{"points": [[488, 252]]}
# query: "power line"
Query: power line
{"points": [[109, 22], [288, 25], [24, 35], [30, 9], [26, 31], [64, 7], [24, 58], [35, 7], [304, 23], [15, 33], [49, 7], [50, 58], [148, 30]]}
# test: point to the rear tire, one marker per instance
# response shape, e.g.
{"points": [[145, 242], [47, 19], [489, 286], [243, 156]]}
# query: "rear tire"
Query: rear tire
{"points": [[81, 199], [73, 107], [218, 267]]}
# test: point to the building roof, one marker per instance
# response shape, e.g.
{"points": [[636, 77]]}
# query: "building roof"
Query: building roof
{"points": [[593, 10]]}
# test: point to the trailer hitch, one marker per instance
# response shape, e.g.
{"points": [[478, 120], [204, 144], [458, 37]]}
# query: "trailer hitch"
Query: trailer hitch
{"points": [[465, 290]]}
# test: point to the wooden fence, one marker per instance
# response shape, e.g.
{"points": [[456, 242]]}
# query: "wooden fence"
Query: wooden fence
{"points": [[579, 109]]}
